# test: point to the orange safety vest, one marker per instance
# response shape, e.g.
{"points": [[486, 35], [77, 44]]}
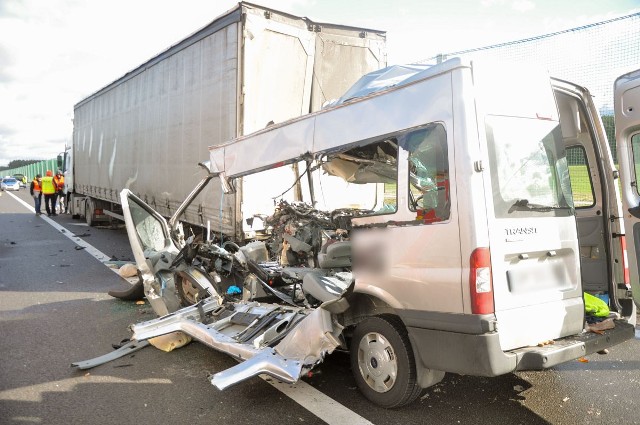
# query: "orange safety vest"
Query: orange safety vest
{"points": [[59, 182], [48, 186], [36, 185]]}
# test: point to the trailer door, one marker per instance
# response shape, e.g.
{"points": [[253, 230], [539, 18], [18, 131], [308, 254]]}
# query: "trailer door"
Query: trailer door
{"points": [[627, 116]]}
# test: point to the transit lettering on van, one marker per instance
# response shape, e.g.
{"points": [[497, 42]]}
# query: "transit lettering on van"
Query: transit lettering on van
{"points": [[521, 231]]}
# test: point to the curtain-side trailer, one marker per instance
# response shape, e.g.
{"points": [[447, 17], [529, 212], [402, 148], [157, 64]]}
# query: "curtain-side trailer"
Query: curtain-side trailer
{"points": [[250, 67]]}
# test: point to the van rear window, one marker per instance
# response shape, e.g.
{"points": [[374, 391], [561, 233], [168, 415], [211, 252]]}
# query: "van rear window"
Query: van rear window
{"points": [[581, 184], [529, 172]]}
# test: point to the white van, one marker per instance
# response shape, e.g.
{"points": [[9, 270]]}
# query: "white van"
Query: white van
{"points": [[447, 223]]}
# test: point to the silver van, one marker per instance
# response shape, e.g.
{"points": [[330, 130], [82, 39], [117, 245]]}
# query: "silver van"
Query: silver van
{"points": [[446, 220]]}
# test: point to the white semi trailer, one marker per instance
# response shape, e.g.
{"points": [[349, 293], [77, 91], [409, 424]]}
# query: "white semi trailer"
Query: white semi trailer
{"points": [[250, 67]]}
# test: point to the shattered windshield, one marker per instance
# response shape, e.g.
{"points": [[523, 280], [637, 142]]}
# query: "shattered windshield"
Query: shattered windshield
{"points": [[529, 172], [149, 229]]}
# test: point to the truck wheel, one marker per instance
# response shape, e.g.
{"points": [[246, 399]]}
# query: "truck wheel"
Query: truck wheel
{"points": [[382, 362]]}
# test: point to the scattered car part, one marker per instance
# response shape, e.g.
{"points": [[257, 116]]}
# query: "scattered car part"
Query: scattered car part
{"points": [[128, 348]]}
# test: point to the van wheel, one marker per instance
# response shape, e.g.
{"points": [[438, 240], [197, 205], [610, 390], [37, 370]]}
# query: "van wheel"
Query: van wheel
{"points": [[189, 291], [382, 362]]}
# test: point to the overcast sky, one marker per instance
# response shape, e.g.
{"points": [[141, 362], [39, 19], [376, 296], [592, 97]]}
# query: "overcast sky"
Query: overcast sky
{"points": [[53, 53]]}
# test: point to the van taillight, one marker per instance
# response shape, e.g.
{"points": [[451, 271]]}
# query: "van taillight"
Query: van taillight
{"points": [[625, 261], [480, 282]]}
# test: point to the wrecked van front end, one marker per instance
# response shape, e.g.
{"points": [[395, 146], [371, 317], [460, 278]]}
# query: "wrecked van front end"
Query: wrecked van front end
{"points": [[276, 317]]}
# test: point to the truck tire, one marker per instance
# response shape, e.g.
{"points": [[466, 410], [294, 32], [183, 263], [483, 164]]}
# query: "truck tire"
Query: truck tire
{"points": [[383, 363]]}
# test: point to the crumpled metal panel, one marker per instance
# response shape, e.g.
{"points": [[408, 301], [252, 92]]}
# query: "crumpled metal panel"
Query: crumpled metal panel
{"points": [[305, 345]]}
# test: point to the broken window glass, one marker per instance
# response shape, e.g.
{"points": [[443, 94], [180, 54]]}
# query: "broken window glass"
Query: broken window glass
{"points": [[428, 172], [364, 177], [529, 172], [148, 228]]}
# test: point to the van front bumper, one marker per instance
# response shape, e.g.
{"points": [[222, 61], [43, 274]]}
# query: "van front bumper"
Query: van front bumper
{"points": [[481, 355]]}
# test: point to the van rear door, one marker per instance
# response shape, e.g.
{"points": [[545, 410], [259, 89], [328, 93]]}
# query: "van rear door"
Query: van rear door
{"points": [[532, 231], [627, 116], [535, 263]]}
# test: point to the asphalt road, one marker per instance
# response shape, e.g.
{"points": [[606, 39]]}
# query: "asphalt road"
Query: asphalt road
{"points": [[54, 310]]}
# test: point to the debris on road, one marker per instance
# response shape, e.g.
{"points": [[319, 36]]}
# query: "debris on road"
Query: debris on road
{"points": [[128, 270], [170, 342]]}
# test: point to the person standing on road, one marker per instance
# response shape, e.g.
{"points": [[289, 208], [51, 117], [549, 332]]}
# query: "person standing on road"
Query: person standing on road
{"points": [[49, 191], [58, 180], [36, 192]]}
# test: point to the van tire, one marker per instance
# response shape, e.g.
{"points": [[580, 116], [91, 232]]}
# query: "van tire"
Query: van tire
{"points": [[383, 363]]}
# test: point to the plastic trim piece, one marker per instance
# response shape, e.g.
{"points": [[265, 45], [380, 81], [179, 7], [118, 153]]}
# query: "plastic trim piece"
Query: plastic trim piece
{"points": [[128, 348]]}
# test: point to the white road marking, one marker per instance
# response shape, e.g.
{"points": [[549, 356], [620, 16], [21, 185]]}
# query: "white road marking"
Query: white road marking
{"points": [[94, 252], [316, 402]]}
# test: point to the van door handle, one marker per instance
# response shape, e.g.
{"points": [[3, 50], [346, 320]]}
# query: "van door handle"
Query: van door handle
{"points": [[551, 254]]}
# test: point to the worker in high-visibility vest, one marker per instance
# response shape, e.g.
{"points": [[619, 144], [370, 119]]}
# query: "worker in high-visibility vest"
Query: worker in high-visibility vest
{"points": [[49, 191], [58, 180], [36, 192]]}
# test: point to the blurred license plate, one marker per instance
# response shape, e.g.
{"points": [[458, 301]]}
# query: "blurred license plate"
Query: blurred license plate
{"points": [[537, 278]]}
